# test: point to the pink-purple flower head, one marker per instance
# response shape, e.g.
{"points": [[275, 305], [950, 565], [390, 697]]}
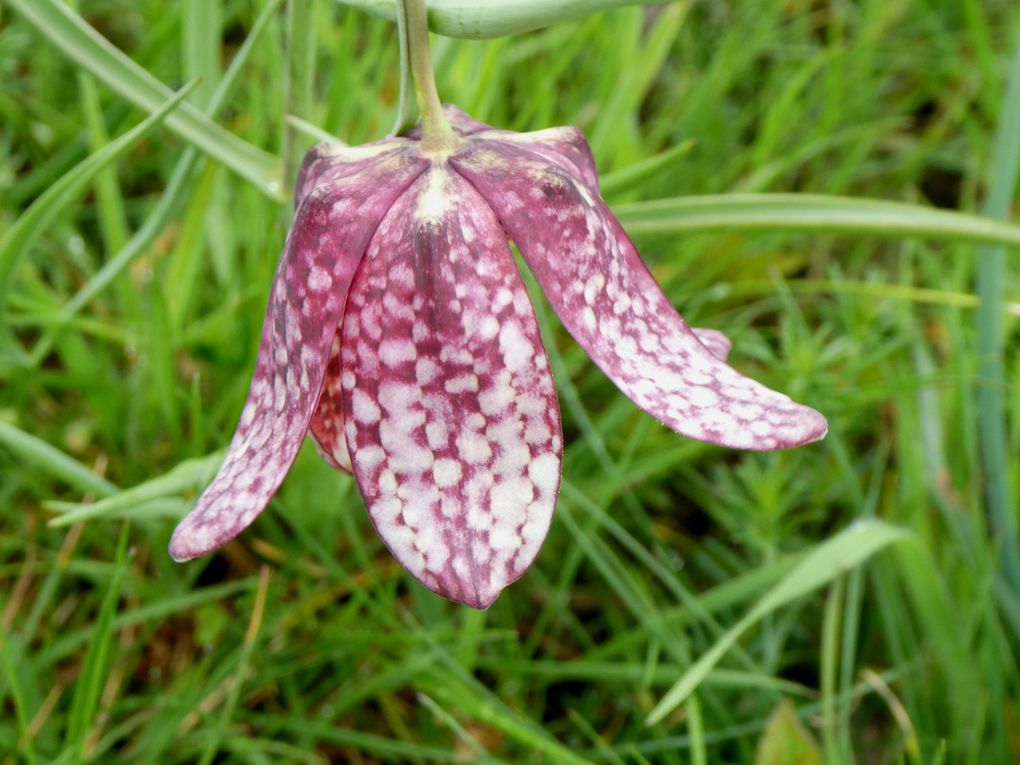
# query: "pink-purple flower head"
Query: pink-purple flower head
{"points": [[400, 335]]}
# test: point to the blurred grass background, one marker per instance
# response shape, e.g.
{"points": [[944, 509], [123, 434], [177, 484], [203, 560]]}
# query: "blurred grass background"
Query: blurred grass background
{"points": [[303, 641]]}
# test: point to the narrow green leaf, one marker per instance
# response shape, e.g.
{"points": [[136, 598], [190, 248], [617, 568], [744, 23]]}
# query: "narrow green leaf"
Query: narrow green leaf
{"points": [[52, 461], [76, 39], [222, 724], [633, 176], [314, 132], [31, 224], [10, 656], [832, 558], [812, 212], [187, 476], [112, 217], [186, 260], [478, 752], [93, 670], [830, 660], [512, 724], [991, 277], [496, 18], [201, 22], [70, 644], [299, 83], [169, 202]]}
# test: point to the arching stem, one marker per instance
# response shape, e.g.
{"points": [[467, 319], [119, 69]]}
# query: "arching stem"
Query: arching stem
{"points": [[437, 135]]}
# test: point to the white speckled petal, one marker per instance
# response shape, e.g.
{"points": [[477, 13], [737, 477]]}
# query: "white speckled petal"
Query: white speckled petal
{"points": [[451, 414], [330, 233], [614, 308]]}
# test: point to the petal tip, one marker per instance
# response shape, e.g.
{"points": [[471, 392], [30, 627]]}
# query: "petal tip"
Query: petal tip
{"points": [[817, 427], [478, 600], [806, 427], [178, 554], [477, 594], [191, 541]]}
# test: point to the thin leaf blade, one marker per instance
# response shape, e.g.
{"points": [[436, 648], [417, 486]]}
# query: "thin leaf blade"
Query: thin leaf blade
{"points": [[832, 558]]}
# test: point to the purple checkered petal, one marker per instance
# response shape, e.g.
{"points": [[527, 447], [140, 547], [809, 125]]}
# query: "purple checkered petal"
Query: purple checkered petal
{"points": [[451, 414], [611, 304], [330, 233]]}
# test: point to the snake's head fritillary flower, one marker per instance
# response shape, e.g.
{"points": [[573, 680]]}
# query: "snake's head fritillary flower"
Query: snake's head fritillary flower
{"points": [[400, 335]]}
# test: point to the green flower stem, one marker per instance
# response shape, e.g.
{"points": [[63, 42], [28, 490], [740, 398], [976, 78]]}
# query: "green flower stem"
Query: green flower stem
{"points": [[437, 135]]}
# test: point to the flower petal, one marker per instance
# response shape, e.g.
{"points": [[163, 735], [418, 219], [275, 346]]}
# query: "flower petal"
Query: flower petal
{"points": [[451, 413], [613, 307], [330, 233], [330, 162], [462, 122], [717, 343], [565, 147], [327, 425]]}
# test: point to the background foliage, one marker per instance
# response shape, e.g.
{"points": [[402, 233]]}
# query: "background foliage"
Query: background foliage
{"points": [[304, 641]]}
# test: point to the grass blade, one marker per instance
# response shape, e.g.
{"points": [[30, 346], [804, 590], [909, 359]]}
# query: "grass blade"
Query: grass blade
{"points": [[991, 408], [635, 175], [90, 679], [53, 461], [299, 91], [185, 476], [201, 22], [829, 560], [812, 212], [407, 107], [169, 202], [19, 239], [10, 672], [71, 35], [243, 662]]}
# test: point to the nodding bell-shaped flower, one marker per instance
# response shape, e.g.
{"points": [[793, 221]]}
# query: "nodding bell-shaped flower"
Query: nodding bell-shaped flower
{"points": [[400, 335]]}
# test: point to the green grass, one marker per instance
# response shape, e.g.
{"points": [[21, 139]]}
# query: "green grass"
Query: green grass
{"points": [[868, 583]]}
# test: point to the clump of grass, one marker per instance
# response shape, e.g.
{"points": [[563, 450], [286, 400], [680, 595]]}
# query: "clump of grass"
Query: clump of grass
{"points": [[131, 322]]}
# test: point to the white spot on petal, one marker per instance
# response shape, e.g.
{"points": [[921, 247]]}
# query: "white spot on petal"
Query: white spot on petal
{"points": [[319, 279], [517, 349], [489, 328], [446, 472], [365, 409], [544, 470], [395, 352]]}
